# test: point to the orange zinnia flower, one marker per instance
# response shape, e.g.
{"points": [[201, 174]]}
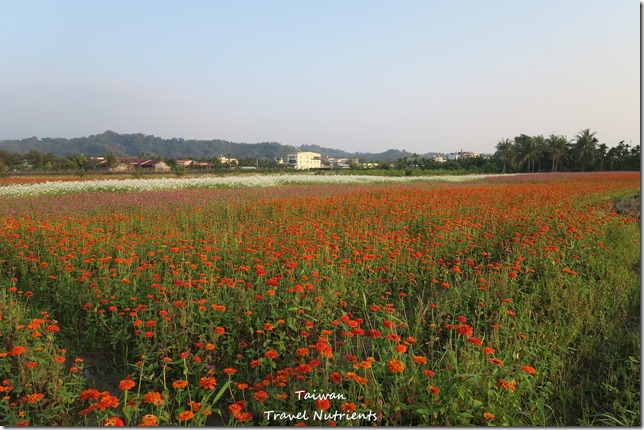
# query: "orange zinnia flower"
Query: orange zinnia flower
{"points": [[400, 348], [335, 377], [326, 352], [348, 407], [180, 384], [234, 409], [149, 420], [506, 385], [395, 366], [488, 416], [464, 329], [529, 369], [18, 350], [302, 351], [33, 398], [194, 406], [208, 383], [107, 401], [322, 404], [244, 417], [434, 390], [271, 353], [52, 328], [153, 397], [260, 396], [474, 340], [419, 359], [185, 415], [113, 422], [127, 384]]}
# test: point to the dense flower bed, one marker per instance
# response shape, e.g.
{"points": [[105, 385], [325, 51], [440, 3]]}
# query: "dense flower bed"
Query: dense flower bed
{"points": [[412, 303]]}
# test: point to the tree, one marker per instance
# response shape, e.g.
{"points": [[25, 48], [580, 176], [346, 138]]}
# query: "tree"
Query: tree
{"points": [[505, 151], [539, 149], [35, 158], [585, 146], [81, 162], [112, 160], [612, 155], [602, 151], [635, 158], [529, 151], [557, 147]]}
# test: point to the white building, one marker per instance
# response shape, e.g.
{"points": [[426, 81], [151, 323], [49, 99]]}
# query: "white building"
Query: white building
{"points": [[227, 161], [304, 160]]}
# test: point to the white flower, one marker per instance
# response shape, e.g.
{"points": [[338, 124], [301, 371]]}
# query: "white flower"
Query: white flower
{"points": [[137, 185]]}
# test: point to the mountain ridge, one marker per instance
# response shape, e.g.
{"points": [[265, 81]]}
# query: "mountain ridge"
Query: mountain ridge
{"points": [[137, 144]]}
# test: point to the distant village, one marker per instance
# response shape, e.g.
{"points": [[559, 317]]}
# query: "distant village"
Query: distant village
{"points": [[302, 160]]}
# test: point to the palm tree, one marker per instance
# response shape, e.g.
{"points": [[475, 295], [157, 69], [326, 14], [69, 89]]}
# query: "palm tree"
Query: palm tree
{"points": [[558, 150], [529, 150], [539, 149], [505, 151], [585, 143], [602, 150]]}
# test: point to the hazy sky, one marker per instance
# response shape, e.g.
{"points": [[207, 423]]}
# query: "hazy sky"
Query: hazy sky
{"points": [[357, 75]]}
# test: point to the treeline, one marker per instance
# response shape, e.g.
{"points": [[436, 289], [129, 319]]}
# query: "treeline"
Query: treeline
{"points": [[36, 161], [530, 154], [523, 154], [556, 153]]}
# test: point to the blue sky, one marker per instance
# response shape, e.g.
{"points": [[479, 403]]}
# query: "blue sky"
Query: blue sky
{"points": [[357, 75]]}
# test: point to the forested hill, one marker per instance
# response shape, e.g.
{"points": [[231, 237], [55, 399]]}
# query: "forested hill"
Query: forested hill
{"points": [[134, 145]]}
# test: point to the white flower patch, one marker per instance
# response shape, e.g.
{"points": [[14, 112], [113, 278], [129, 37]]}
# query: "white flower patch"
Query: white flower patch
{"points": [[138, 185]]}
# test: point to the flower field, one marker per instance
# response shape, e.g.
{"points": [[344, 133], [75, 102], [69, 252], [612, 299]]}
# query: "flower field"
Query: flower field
{"points": [[507, 300]]}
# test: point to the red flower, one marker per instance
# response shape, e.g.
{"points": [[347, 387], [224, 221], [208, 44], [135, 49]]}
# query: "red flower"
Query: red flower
{"points": [[208, 383], [113, 422], [127, 384], [529, 369], [185, 415], [271, 353], [322, 404], [419, 359], [475, 340], [395, 366], [260, 396]]}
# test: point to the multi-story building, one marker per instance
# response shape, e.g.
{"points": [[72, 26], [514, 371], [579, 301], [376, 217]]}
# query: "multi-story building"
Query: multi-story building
{"points": [[304, 160]]}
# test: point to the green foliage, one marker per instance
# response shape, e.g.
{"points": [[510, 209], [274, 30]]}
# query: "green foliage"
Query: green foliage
{"points": [[537, 154]]}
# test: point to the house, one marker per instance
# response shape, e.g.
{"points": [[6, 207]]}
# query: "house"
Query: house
{"points": [[228, 161], [468, 154], [439, 159], [304, 160], [136, 163], [338, 163], [156, 165], [366, 165], [462, 154]]}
